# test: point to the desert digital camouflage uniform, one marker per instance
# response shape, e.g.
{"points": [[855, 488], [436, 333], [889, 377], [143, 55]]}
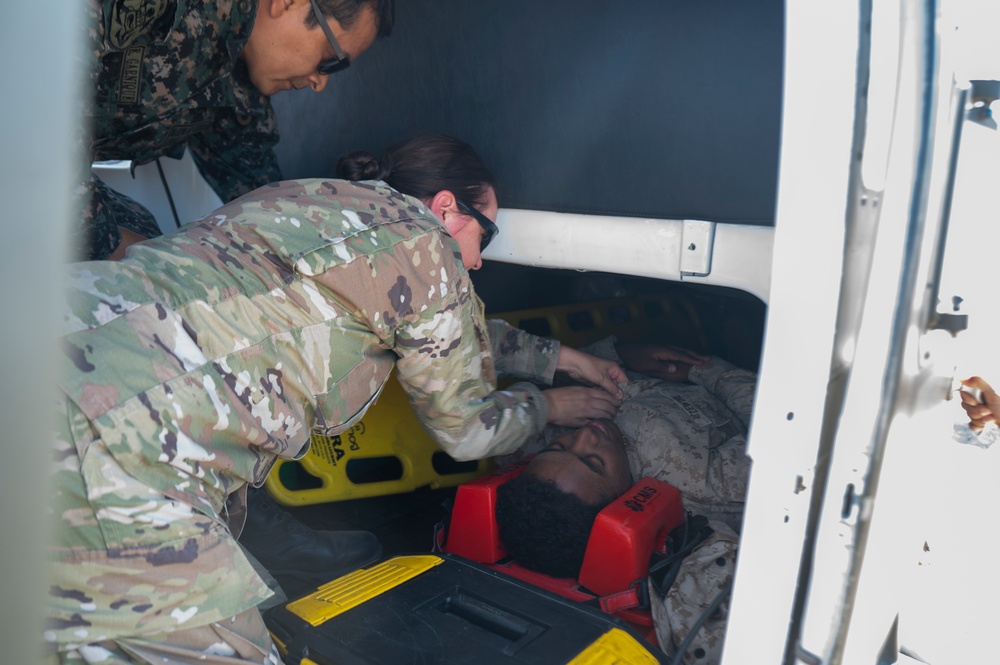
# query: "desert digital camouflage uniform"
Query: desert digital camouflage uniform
{"points": [[704, 574], [166, 74], [191, 365], [693, 436]]}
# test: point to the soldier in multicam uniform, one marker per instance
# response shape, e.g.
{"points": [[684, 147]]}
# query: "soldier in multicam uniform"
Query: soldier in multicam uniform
{"points": [[193, 364], [688, 428], [170, 74]]}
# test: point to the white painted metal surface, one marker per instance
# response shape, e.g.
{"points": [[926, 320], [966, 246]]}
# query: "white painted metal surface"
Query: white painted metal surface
{"points": [[740, 258], [906, 507], [806, 274], [192, 196]]}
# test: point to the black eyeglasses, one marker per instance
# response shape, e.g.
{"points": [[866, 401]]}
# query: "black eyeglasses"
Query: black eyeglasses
{"points": [[340, 61], [484, 221]]}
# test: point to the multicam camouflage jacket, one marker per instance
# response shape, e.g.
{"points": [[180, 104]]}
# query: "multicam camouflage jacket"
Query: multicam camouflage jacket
{"points": [[166, 74], [284, 311], [204, 355]]}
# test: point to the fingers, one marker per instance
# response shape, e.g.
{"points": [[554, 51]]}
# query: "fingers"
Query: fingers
{"points": [[604, 374], [978, 425], [980, 402], [976, 411], [681, 354], [618, 373], [968, 399], [595, 403], [977, 382], [989, 396], [673, 371], [575, 406], [609, 381]]}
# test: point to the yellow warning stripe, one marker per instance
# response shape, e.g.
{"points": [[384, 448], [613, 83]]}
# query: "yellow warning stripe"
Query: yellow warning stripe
{"points": [[357, 588], [615, 647]]}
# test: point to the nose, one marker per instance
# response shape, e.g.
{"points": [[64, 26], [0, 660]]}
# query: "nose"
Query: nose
{"points": [[318, 81], [584, 439]]}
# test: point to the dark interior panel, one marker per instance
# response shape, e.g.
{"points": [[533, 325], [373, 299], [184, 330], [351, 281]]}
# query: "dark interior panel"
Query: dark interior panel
{"points": [[659, 108], [721, 321]]}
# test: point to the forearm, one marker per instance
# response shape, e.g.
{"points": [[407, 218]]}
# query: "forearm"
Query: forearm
{"points": [[496, 424], [454, 393], [521, 354]]}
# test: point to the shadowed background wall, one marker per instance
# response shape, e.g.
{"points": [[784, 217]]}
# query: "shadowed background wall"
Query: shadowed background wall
{"points": [[658, 108]]}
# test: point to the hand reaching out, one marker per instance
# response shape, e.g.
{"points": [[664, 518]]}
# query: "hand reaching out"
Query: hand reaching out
{"points": [[981, 411], [670, 363]]}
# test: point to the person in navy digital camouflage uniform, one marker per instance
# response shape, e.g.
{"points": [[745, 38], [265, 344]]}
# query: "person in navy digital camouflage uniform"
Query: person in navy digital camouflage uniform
{"points": [[170, 74]]}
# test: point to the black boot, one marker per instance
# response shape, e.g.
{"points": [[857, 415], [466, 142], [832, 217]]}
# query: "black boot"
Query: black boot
{"points": [[299, 557]]}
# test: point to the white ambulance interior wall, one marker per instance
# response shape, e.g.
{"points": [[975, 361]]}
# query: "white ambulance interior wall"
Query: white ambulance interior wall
{"points": [[192, 196]]}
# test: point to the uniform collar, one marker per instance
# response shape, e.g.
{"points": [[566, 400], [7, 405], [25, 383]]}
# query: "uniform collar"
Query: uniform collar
{"points": [[241, 19], [248, 100]]}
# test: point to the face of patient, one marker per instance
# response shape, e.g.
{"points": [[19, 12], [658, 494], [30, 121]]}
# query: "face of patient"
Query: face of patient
{"points": [[589, 462]]}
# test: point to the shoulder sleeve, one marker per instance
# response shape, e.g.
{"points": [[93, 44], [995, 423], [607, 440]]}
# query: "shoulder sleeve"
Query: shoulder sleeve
{"points": [[734, 386], [521, 354], [413, 292], [237, 155], [446, 366]]}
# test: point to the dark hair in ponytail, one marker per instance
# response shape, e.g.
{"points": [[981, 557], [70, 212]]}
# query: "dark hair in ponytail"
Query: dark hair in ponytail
{"points": [[424, 165]]}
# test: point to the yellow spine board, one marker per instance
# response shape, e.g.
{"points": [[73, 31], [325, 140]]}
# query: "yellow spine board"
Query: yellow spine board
{"points": [[615, 647]]}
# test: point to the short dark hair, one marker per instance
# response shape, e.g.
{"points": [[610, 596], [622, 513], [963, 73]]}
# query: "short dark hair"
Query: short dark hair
{"points": [[424, 165], [542, 527], [346, 12]]}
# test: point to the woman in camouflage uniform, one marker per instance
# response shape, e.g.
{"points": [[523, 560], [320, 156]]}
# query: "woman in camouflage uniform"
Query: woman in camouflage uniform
{"points": [[190, 366]]}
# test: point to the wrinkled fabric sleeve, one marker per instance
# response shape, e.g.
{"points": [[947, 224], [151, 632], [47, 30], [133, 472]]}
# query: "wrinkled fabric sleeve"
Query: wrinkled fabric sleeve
{"points": [[521, 354], [446, 367], [705, 574], [734, 386], [237, 156]]}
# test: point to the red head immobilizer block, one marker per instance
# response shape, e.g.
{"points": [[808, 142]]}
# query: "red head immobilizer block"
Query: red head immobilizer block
{"points": [[472, 530], [625, 534], [622, 540]]}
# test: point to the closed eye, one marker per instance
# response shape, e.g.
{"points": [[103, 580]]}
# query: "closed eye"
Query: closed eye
{"points": [[594, 462]]}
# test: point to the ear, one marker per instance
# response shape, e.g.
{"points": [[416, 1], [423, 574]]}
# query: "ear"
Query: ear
{"points": [[276, 8], [442, 203]]}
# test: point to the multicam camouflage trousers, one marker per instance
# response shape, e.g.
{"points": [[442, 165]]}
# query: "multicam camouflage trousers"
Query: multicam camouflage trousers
{"points": [[237, 640], [138, 577]]}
